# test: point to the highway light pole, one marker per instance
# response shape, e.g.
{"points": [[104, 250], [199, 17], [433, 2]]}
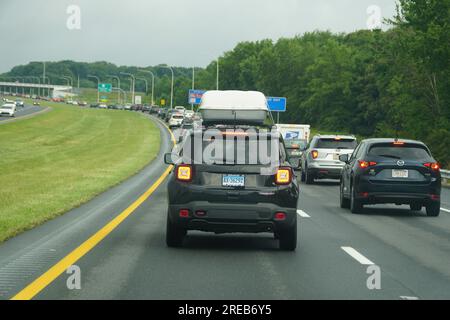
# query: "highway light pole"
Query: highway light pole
{"points": [[153, 83], [146, 84], [133, 83], [98, 84], [38, 82], [171, 90], [118, 86], [217, 78]]}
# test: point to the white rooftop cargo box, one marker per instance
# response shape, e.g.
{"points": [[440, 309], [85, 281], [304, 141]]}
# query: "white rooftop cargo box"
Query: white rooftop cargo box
{"points": [[234, 107]]}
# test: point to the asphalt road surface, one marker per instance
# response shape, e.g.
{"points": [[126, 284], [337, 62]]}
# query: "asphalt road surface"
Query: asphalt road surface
{"points": [[335, 250], [20, 112]]}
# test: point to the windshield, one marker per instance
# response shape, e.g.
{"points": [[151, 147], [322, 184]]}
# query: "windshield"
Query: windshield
{"points": [[410, 152], [178, 117], [7, 107], [349, 144]]}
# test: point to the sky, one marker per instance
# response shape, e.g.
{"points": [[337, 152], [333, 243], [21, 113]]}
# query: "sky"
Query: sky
{"points": [[174, 32]]}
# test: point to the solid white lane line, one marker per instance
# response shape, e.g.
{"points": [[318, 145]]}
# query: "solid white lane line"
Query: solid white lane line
{"points": [[408, 298], [303, 214], [446, 210], [357, 256]]}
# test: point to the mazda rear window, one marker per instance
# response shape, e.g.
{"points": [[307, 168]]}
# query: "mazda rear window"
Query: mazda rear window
{"points": [[401, 152], [336, 144]]}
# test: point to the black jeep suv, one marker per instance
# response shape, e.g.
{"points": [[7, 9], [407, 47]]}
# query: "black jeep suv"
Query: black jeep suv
{"points": [[391, 171], [217, 193]]}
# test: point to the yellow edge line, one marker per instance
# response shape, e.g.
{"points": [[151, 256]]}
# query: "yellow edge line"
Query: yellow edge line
{"points": [[60, 267]]}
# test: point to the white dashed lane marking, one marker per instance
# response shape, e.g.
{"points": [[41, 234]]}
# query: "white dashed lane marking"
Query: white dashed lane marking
{"points": [[357, 256], [303, 214]]}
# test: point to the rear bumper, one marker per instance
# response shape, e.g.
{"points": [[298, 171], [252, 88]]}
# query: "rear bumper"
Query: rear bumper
{"points": [[231, 218], [373, 193], [322, 171]]}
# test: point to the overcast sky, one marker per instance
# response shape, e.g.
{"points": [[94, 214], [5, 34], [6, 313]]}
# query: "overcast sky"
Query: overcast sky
{"points": [[175, 32]]}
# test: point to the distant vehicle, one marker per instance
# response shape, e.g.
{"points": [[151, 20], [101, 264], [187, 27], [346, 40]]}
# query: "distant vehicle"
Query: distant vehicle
{"points": [[176, 120], [20, 103], [295, 131], [93, 105], [8, 109], [127, 107], [36, 103], [162, 113], [189, 114], [296, 137], [180, 109], [391, 171], [321, 159], [103, 106], [82, 103]]}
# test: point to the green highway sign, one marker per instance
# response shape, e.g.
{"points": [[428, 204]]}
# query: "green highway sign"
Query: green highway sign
{"points": [[105, 87]]}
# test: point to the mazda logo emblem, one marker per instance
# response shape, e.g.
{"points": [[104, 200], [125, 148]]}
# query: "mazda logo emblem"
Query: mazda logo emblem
{"points": [[400, 163]]}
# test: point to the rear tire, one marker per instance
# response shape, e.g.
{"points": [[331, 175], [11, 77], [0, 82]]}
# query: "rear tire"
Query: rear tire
{"points": [[434, 209], [309, 178], [174, 234], [415, 207], [345, 203], [356, 206], [288, 238]]}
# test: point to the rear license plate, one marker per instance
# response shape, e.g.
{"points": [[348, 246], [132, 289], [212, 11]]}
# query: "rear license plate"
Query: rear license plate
{"points": [[233, 181], [400, 174]]}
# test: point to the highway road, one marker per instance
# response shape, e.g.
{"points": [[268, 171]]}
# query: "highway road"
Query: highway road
{"points": [[336, 248], [25, 111]]}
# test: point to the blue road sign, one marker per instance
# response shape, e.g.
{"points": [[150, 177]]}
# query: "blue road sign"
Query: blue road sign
{"points": [[277, 104], [195, 96]]}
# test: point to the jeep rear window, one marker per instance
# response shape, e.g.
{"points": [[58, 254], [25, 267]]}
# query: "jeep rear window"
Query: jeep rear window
{"points": [[403, 152], [336, 144]]}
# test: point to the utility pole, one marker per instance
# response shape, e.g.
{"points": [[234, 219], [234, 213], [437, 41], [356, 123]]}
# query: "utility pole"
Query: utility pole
{"points": [[98, 84], [171, 91], [133, 83], [217, 79], [153, 83], [118, 86]]}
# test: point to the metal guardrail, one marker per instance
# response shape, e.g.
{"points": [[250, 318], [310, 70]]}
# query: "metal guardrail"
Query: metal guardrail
{"points": [[445, 174]]}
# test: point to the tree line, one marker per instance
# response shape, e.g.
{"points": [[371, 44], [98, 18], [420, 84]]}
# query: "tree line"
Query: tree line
{"points": [[371, 83]]}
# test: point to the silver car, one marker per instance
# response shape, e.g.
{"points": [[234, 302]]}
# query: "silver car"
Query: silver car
{"points": [[321, 158]]}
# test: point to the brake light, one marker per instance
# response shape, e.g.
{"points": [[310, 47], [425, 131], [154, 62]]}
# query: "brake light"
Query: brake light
{"points": [[315, 154], [366, 164], [280, 216], [184, 173], [433, 166], [283, 176], [184, 213], [338, 138], [398, 143]]}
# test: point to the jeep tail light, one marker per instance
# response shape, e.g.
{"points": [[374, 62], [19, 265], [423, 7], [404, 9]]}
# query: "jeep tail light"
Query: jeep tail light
{"points": [[280, 216], [184, 213], [433, 166], [315, 154], [283, 176], [184, 173], [366, 164]]}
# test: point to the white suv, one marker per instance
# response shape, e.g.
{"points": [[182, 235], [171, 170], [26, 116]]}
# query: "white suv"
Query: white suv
{"points": [[176, 120], [321, 158], [8, 109]]}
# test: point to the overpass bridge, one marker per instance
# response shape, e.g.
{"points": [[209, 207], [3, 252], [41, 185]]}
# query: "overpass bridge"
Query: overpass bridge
{"points": [[35, 89]]}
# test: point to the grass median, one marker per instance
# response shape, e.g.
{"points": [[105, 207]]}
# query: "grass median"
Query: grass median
{"points": [[61, 159]]}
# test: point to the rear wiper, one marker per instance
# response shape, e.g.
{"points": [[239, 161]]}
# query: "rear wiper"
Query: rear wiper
{"points": [[389, 156]]}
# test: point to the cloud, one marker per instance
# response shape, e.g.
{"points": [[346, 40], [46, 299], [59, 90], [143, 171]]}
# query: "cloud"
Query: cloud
{"points": [[176, 32]]}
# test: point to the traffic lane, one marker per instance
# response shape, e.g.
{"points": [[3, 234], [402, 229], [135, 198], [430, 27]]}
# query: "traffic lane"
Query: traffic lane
{"points": [[134, 263], [412, 249], [20, 112], [445, 198], [29, 255]]}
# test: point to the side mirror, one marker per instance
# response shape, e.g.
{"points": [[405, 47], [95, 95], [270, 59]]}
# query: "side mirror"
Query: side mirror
{"points": [[170, 158], [344, 158]]}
